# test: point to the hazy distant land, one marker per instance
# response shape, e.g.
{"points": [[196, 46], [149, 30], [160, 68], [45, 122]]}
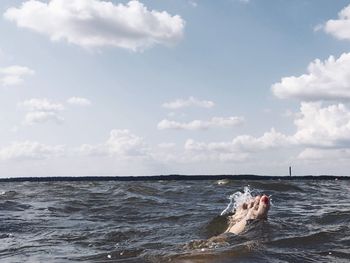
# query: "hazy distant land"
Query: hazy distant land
{"points": [[172, 177]]}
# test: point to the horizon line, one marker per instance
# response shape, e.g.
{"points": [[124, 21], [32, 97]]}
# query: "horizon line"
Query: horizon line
{"points": [[170, 177]]}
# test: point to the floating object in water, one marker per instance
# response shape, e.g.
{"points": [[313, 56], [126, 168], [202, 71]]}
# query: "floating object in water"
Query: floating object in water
{"points": [[223, 182]]}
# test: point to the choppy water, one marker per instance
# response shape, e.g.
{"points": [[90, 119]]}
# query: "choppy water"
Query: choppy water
{"points": [[153, 221]]}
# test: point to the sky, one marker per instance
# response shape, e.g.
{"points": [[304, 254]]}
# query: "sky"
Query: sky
{"points": [[149, 87]]}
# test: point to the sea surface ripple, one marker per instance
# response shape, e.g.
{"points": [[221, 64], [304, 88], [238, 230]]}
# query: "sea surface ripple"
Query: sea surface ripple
{"points": [[145, 221]]}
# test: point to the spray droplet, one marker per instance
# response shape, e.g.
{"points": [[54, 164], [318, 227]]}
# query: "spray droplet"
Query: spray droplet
{"points": [[237, 199]]}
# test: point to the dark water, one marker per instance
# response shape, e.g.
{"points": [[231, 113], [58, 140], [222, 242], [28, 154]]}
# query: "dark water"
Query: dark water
{"points": [[153, 221]]}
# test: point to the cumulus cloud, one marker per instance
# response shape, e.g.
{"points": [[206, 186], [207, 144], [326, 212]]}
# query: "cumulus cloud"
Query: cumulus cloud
{"points": [[44, 104], [14, 75], [200, 125], [328, 80], [121, 143], [320, 126], [95, 24], [244, 143], [339, 28], [312, 154], [321, 129], [79, 101], [269, 140], [209, 156], [41, 111], [190, 102], [42, 117], [30, 150], [240, 147]]}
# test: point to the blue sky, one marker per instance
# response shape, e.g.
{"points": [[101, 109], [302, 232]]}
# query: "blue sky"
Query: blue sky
{"points": [[156, 87]]}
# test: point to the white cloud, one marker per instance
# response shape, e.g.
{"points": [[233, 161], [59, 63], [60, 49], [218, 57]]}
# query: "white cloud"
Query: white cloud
{"points": [[200, 125], [35, 117], [190, 102], [13, 75], [121, 143], [328, 80], [193, 3], [339, 28], [320, 129], [79, 101], [209, 156], [239, 148], [318, 27], [41, 111], [94, 24], [311, 154], [44, 104], [30, 150], [269, 140], [323, 127]]}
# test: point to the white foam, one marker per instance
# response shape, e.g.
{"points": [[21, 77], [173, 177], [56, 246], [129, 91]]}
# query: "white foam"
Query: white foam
{"points": [[237, 199]]}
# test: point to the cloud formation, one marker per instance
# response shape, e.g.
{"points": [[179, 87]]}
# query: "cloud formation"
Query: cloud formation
{"points": [[199, 124], [323, 130], [312, 154], [328, 80], [41, 111], [239, 148], [193, 3], [13, 75], [35, 117], [96, 24], [121, 144], [44, 104], [339, 28], [28, 150], [80, 101], [323, 127], [243, 143], [190, 102]]}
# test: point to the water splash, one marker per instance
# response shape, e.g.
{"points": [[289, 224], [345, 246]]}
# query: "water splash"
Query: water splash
{"points": [[237, 199]]}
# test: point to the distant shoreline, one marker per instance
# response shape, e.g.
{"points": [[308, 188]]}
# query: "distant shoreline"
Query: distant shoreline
{"points": [[172, 177]]}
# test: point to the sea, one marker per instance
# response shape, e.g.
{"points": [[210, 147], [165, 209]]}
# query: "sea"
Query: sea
{"points": [[164, 221]]}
